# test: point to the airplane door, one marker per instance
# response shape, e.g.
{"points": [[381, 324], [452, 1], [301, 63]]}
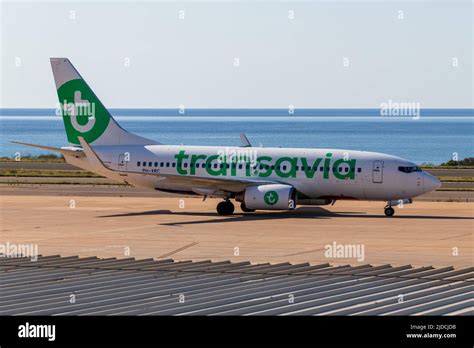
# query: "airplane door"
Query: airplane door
{"points": [[122, 163], [377, 172]]}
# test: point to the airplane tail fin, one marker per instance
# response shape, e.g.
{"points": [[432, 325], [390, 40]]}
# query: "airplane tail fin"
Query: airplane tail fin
{"points": [[83, 113]]}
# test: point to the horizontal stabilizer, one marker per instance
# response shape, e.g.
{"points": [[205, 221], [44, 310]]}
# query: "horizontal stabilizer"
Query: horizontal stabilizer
{"points": [[76, 152]]}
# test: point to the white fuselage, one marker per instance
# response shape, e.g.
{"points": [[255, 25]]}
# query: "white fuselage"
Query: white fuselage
{"points": [[358, 174]]}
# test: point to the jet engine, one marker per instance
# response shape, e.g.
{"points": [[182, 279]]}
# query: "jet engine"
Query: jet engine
{"points": [[268, 197]]}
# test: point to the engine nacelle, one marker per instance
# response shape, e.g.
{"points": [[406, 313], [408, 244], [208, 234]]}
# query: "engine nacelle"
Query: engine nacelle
{"points": [[312, 201], [269, 197]]}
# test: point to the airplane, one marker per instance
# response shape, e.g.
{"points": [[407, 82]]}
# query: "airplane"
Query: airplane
{"points": [[259, 178]]}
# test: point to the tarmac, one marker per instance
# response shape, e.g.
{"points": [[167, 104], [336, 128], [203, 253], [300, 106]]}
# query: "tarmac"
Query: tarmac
{"points": [[122, 222]]}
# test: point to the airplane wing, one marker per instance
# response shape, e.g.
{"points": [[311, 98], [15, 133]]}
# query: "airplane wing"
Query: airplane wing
{"points": [[199, 182]]}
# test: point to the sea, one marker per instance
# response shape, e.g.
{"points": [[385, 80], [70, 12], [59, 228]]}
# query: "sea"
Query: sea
{"points": [[433, 137]]}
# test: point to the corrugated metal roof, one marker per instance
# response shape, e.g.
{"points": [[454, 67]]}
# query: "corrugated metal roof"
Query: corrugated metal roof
{"points": [[165, 287]]}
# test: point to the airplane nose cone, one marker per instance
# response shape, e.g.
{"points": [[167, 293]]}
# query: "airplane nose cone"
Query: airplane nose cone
{"points": [[430, 182]]}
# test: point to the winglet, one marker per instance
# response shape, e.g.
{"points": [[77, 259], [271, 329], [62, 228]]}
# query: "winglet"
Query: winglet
{"points": [[244, 141]]}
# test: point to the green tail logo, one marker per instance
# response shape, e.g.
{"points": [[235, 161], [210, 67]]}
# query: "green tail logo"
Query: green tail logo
{"points": [[83, 113]]}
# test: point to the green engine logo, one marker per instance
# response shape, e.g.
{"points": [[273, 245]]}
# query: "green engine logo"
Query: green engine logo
{"points": [[271, 197], [83, 114]]}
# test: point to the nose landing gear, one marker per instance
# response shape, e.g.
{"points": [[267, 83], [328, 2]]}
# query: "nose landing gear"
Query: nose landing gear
{"points": [[389, 211], [225, 208]]}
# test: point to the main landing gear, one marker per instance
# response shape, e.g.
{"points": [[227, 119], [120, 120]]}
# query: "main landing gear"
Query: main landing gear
{"points": [[225, 208], [389, 211]]}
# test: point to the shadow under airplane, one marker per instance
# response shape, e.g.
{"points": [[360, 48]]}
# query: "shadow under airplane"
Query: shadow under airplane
{"points": [[299, 213]]}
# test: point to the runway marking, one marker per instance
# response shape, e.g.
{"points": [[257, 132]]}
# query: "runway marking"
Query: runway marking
{"points": [[461, 235], [302, 252], [178, 250], [125, 229], [103, 248]]}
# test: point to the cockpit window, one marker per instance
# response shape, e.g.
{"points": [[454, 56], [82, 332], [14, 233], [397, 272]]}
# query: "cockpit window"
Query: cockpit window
{"points": [[409, 169]]}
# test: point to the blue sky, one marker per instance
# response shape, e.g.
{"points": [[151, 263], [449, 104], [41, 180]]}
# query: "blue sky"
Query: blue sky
{"points": [[340, 54]]}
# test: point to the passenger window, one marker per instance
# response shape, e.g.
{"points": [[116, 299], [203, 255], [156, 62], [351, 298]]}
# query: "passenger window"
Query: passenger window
{"points": [[346, 169], [359, 170], [156, 164], [240, 166], [150, 164], [144, 164], [173, 164], [138, 164], [167, 164], [321, 169]]}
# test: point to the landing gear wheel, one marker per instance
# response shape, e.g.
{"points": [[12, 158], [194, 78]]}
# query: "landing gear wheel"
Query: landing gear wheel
{"points": [[389, 211], [245, 209], [225, 208]]}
